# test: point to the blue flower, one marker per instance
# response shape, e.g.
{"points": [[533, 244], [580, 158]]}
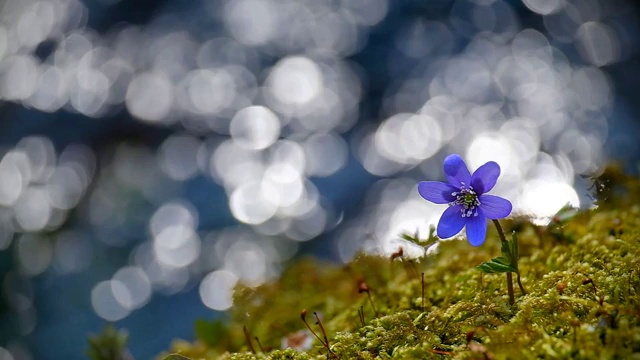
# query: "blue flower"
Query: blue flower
{"points": [[469, 205]]}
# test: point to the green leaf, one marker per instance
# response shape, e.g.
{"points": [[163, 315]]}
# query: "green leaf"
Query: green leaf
{"points": [[211, 332], [505, 249], [501, 264], [432, 232], [176, 357], [515, 251], [111, 344], [410, 237], [507, 261]]}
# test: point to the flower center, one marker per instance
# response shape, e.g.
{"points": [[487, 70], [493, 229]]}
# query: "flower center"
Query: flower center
{"points": [[468, 198]]}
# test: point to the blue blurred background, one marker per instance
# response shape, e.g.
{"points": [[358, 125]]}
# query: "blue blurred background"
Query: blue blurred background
{"points": [[155, 153]]}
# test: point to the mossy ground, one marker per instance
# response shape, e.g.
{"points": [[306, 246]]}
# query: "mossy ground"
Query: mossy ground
{"points": [[582, 276]]}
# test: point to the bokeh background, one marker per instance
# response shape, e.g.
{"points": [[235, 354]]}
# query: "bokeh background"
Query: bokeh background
{"points": [[153, 153]]}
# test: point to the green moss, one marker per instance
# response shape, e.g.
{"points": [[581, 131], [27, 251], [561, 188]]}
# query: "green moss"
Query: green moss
{"points": [[582, 274]]}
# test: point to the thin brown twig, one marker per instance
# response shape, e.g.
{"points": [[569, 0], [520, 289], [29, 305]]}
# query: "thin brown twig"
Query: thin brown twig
{"points": [[248, 337], [363, 287], [259, 344], [520, 283], [361, 315], [303, 316], [324, 333], [325, 342]]}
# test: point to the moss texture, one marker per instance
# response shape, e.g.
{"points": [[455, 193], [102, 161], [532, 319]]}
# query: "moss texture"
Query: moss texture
{"points": [[581, 272]]}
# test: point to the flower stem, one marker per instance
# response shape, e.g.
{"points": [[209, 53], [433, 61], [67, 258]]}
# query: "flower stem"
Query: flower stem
{"points": [[512, 299], [500, 232]]}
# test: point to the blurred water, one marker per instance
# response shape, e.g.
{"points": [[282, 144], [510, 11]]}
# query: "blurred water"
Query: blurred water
{"points": [[154, 153]]}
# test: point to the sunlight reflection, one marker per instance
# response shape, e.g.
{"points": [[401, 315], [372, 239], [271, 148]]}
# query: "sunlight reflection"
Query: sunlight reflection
{"points": [[104, 299], [216, 289]]}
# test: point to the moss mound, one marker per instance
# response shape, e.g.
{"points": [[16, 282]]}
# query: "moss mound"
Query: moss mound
{"points": [[581, 273]]}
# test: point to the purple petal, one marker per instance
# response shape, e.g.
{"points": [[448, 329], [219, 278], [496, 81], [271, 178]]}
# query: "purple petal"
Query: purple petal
{"points": [[437, 192], [456, 171], [451, 222], [495, 207], [485, 177], [476, 229]]}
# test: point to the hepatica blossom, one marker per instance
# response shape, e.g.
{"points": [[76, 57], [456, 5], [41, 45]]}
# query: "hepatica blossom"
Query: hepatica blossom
{"points": [[469, 205]]}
